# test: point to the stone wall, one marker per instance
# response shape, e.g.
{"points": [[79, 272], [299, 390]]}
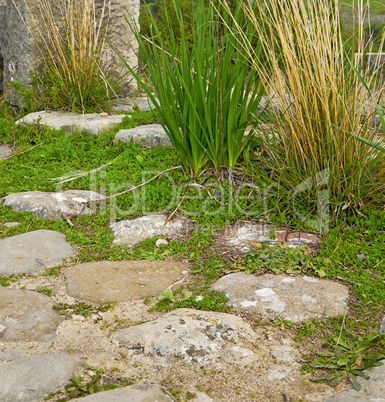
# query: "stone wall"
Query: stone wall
{"points": [[19, 37]]}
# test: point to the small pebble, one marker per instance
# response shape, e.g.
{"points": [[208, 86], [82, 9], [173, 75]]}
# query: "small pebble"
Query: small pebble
{"points": [[103, 114], [161, 242], [78, 317]]}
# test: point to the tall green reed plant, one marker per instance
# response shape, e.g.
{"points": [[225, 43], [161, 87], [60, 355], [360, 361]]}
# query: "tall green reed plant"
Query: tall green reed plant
{"points": [[69, 35], [205, 92], [320, 99]]}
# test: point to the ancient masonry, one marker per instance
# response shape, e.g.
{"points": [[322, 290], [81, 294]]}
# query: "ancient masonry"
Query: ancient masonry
{"points": [[19, 53]]}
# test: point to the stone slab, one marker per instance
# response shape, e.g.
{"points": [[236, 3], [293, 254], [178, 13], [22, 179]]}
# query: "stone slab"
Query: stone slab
{"points": [[30, 252], [92, 123], [53, 205], [133, 393], [5, 151], [31, 378], [27, 316], [127, 104], [372, 389], [148, 135], [192, 335], [115, 281], [243, 235], [295, 298], [131, 232]]}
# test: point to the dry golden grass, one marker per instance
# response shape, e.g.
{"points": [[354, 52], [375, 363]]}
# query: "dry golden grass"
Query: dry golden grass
{"points": [[307, 70]]}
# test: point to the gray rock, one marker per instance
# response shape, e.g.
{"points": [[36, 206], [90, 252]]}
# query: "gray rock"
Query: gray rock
{"points": [[92, 123], [30, 252], [27, 316], [31, 378], [133, 393], [131, 232], [149, 135], [242, 234], [373, 389], [295, 298], [5, 151], [193, 336], [382, 326], [115, 281], [10, 224], [127, 104], [53, 205]]}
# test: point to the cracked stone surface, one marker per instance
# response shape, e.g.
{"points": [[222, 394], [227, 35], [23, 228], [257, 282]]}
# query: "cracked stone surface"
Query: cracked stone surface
{"points": [[31, 378], [115, 281], [27, 315], [192, 335], [131, 232], [33, 251], [295, 298], [93, 123], [53, 205], [133, 393], [242, 235], [149, 135]]}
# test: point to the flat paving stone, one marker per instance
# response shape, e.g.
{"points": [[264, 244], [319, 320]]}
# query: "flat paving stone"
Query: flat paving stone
{"points": [[92, 123], [372, 389], [192, 335], [131, 232], [5, 151], [31, 378], [128, 104], [133, 393], [243, 235], [149, 135], [295, 298], [33, 251], [26, 315], [53, 205], [115, 281]]}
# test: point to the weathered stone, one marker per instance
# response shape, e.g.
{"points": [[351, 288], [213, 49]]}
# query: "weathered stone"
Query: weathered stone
{"points": [[31, 378], [27, 316], [302, 237], [382, 326], [90, 123], [128, 104], [115, 281], [133, 393], [372, 389], [193, 336], [295, 298], [5, 151], [241, 235], [30, 252], [10, 224], [131, 232], [149, 135], [53, 205]]}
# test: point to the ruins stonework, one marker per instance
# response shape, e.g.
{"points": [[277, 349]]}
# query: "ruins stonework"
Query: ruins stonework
{"points": [[19, 51]]}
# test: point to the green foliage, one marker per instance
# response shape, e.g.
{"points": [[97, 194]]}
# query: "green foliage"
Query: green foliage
{"points": [[205, 94], [44, 291], [280, 259], [348, 356], [82, 308]]}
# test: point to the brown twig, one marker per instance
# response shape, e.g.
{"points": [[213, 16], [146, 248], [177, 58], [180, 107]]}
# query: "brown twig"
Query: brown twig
{"points": [[176, 209]]}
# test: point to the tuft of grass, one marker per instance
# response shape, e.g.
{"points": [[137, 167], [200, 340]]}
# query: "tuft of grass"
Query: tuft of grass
{"points": [[205, 91], [75, 76], [319, 99]]}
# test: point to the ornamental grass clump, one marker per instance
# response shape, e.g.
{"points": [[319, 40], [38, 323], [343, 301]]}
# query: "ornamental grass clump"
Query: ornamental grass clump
{"points": [[204, 89], [320, 99], [69, 35]]}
